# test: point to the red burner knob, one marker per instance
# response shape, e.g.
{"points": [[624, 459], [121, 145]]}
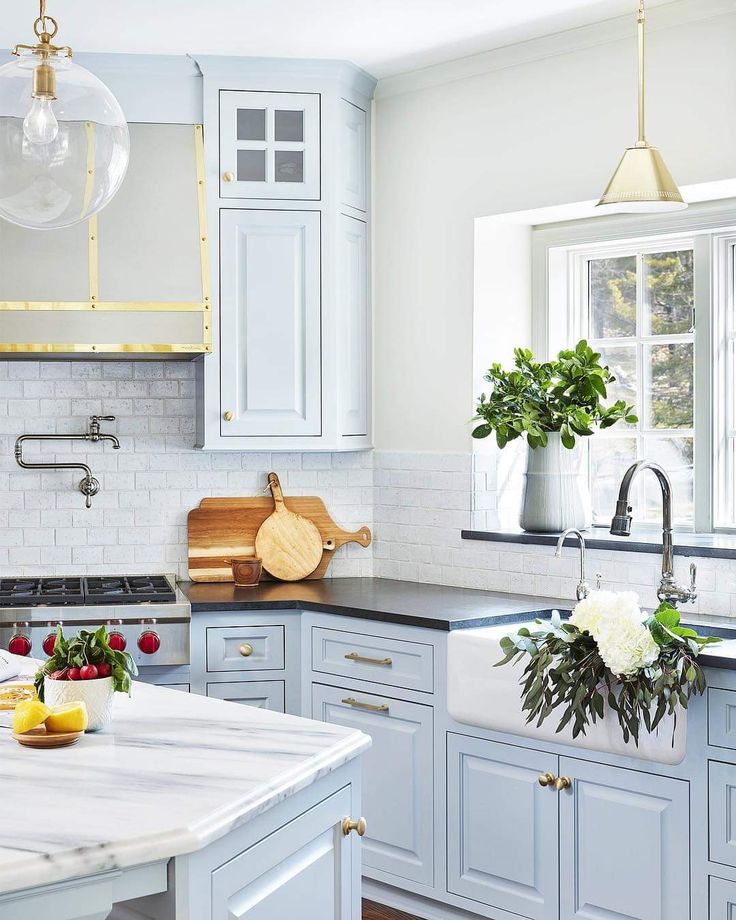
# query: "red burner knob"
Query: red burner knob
{"points": [[149, 642], [19, 645], [48, 644], [117, 641]]}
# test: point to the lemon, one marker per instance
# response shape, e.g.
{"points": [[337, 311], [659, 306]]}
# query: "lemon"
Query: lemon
{"points": [[71, 717], [29, 714]]}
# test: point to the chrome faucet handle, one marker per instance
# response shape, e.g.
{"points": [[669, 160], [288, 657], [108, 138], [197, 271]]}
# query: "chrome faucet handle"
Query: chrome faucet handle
{"points": [[598, 577], [693, 578], [96, 419]]}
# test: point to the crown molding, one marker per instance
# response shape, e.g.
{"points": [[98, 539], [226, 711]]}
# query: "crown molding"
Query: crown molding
{"points": [[670, 15]]}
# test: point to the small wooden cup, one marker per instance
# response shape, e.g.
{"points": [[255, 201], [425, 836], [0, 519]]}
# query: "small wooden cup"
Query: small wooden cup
{"points": [[246, 571]]}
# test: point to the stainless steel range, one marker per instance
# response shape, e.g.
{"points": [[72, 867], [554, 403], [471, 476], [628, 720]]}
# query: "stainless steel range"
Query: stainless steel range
{"points": [[146, 615]]}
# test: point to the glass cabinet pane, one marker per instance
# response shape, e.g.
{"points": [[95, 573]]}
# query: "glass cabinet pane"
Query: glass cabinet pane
{"points": [[288, 125], [251, 124], [669, 292], [670, 391], [289, 166], [612, 297], [251, 165]]}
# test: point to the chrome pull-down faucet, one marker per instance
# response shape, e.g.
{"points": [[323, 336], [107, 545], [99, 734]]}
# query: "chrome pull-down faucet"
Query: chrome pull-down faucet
{"points": [[583, 588], [89, 485], [668, 590]]}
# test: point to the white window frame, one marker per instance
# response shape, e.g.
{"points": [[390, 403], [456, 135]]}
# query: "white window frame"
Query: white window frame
{"points": [[558, 252]]}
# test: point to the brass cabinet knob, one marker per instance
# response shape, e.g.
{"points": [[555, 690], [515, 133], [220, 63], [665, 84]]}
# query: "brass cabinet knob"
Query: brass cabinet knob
{"points": [[563, 782], [246, 650], [228, 176], [547, 779], [359, 826], [228, 416]]}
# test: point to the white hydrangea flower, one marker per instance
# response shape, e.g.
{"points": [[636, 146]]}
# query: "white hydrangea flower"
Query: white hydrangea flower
{"points": [[616, 622]]}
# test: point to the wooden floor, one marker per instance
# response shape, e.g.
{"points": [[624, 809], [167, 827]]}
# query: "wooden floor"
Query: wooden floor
{"points": [[373, 911]]}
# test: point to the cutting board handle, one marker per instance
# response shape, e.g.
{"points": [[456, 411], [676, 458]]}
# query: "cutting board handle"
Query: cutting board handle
{"points": [[278, 495]]}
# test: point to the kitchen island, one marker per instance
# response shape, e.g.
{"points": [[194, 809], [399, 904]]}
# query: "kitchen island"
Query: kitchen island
{"points": [[186, 808]]}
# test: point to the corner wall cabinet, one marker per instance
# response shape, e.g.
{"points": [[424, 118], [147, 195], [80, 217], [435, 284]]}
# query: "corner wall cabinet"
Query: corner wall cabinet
{"points": [[287, 154]]}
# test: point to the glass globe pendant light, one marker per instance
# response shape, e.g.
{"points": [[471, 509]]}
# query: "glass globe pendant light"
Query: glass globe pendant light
{"points": [[642, 182], [64, 142]]}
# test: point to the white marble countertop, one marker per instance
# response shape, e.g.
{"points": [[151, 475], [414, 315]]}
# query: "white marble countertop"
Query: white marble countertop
{"points": [[172, 773]]}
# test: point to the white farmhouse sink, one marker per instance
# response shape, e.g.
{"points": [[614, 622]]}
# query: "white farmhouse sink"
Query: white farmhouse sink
{"points": [[479, 694]]}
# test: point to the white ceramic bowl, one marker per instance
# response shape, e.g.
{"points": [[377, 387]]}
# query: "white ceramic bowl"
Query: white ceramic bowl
{"points": [[96, 694]]}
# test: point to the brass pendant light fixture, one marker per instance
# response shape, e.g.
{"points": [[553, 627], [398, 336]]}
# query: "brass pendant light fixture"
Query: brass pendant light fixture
{"points": [[64, 143], [642, 182]]}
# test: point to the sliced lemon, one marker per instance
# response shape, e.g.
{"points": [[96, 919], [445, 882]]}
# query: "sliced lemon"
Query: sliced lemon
{"points": [[29, 714], [71, 717]]}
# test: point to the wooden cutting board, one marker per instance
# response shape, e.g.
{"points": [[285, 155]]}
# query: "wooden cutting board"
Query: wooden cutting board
{"points": [[221, 528], [289, 544]]}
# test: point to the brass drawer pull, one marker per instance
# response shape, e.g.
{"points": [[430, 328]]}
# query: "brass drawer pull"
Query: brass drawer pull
{"points": [[228, 416], [246, 650], [371, 707], [547, 779], [563, 782], [228, 176], [359, 826], [354, 656]]}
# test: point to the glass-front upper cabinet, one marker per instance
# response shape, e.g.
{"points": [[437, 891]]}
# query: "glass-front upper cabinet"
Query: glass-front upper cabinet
{"points": [[269, 145]]}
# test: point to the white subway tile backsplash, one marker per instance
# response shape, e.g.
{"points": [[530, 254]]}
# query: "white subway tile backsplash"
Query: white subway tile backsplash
{"points": [[138, 520]]}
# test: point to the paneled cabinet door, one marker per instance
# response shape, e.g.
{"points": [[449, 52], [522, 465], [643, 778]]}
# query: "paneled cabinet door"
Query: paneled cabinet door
{"points": [[502, 833], [270, 323], [354, 156], [624, 844], [722, 900], [303, 870], [269, 145], [397, 777], [354, 332]]}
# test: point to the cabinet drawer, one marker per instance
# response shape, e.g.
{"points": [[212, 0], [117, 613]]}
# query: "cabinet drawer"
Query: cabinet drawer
{"points": [[382, 661], [722, 900], [722, 718], [722, 812], [263, 694], [245, 648]]}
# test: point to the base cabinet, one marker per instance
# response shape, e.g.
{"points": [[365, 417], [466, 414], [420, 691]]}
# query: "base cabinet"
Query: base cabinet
{"points": [[263, 694], [502, 827], [302, 870], [722, 900], [622, 836], [398, 784]]}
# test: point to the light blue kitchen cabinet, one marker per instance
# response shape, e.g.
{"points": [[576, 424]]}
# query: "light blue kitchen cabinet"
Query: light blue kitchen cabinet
{"points": [[624, 844], [263, 694], [722, 812], [722, 900], [502, 826], [398, 777]]}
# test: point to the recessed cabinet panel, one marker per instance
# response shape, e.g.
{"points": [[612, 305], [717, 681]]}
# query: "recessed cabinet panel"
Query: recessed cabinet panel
{"points": [[261, 694], [354, 329], [269, 145], [245, 648], [502, 827], [722, 812], [270, 326], [721, 718], [624, 844], [397, 778], [722, 900], [354, 177]]}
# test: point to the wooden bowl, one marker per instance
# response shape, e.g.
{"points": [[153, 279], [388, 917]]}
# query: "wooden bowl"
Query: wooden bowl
{"points": [[246, 571]]}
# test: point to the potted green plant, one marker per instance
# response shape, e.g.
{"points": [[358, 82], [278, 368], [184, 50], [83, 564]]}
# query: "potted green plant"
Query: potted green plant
{"points": [[551, 404]]}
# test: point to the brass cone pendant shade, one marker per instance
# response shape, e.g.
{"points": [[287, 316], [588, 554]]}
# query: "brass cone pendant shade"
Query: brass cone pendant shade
{"points": [[642, 182]]}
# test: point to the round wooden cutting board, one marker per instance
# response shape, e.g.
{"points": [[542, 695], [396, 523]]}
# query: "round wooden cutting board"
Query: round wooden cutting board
{"points": [[289, 545], [40, 738]]}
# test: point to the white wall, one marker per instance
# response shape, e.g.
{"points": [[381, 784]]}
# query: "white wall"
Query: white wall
{"points": [[542, 125]]}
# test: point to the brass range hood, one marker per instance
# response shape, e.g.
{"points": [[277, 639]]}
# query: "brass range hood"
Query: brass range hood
{"points": [[133, 280]]}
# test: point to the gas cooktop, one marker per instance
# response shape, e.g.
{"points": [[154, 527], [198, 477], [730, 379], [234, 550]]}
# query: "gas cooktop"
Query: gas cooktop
{"points": [[94, 591]]}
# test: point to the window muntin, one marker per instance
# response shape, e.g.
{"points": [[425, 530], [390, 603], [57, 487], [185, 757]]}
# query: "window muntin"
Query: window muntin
{"points": [[638, 311]]}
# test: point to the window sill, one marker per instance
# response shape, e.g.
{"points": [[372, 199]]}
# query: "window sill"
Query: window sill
{"points": [[708, 546]]}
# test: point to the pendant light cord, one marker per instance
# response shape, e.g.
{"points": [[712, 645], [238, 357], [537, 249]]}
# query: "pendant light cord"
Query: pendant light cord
{"points": [[642, 141]]}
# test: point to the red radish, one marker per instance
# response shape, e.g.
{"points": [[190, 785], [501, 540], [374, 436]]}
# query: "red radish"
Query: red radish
{"points": [[74, 674], [88, 672], [104, 669], [63, 674]]}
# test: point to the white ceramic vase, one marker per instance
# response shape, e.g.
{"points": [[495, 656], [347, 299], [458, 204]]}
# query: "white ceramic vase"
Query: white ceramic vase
{"points": [[555, 489], [96, 694]]}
